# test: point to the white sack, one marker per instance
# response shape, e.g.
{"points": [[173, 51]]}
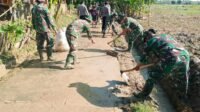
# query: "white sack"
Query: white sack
{"points": [[61, 43]]}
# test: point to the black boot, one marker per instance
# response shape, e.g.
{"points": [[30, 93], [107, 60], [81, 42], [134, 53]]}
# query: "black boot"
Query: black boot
{"points": [[40, 52], [147, 89], [49, 54]]}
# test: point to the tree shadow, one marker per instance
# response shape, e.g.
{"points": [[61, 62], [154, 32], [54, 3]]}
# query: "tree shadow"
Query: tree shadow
{"points": [[35, 63], [101, 96]]}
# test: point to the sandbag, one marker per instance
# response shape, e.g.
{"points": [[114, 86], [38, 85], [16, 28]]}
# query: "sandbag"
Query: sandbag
{"points": [[61, 44]]}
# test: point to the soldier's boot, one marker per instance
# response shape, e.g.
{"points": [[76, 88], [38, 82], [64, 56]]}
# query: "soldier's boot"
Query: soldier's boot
{"points": [[69, 61], [104, 33], [40, 52], [75, 59], [147, 89], [49, 54]]}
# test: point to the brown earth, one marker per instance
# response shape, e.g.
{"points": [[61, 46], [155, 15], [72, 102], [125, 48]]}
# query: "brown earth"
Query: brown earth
{"points": [[185, 28]]}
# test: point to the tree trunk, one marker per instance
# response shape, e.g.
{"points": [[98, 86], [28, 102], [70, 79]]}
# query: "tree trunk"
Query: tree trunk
{"points": [[58, 9]]}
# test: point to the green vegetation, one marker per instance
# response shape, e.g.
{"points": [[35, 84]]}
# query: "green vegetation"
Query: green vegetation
{"points": [[64, 20], [143, 107], [14, 30], [176, 9], [130, 7]]}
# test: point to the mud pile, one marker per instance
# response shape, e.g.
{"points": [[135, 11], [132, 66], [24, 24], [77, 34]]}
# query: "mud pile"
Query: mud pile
{"points": [[192, 102]]}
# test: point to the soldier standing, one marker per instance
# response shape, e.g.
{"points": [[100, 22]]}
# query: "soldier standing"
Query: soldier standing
{"points": [[42, 23]]}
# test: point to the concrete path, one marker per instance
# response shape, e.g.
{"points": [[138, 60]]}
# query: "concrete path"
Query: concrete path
{"points": [[44, 87]]}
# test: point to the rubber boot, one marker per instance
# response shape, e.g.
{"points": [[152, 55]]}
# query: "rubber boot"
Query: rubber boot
{"points": [[49, 54], [40, 52], [147, 89], [69, 61]]}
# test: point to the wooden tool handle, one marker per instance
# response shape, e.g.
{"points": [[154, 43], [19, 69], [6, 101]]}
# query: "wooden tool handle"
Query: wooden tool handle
{"points": [[141, 67]]}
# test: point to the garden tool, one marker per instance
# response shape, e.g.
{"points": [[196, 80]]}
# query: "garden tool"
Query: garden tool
{"points": [[141, 67], [113, 40], [126, 77]]}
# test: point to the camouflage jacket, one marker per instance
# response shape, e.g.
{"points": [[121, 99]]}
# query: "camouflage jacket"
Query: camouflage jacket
{"points": [[135, 24], [41, 19], [77, 27], [165, 47]]}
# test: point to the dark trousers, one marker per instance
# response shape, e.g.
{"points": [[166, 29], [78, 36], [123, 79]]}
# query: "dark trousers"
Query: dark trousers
{"points": [[104, 24], [84, 17], [41, 38]]}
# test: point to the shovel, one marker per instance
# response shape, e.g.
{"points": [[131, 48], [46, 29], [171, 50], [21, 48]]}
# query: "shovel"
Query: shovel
{"points": [[126, 78], [141, 67]]}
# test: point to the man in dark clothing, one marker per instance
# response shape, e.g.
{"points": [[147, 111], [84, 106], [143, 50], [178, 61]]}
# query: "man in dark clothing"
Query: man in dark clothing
{"points": [[105, 13]]}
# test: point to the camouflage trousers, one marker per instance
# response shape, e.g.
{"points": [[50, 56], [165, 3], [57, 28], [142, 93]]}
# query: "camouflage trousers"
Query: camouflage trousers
{"points": [[177, 71], [41, 38], [72, 56]]}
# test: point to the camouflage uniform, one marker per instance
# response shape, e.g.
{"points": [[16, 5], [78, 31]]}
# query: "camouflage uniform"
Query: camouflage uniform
{"points": [[113, 23], [42, 23], [132, 37], [73, 32], [173, 59]]}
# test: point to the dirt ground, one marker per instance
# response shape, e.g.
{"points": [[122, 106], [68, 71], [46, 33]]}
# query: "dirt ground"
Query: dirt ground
{"points": [[183, 23]]}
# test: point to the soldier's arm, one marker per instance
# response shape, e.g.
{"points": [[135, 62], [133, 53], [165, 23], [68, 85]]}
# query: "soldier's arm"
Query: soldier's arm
{"points": [[148, 47], [33, 20], [78, 10], [49, 20], [87, 30]]}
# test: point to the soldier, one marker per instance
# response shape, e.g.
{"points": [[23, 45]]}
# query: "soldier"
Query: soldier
{"points": [[113, 23], [42, 23], [131, 29], [73, 32], [171, 57]]}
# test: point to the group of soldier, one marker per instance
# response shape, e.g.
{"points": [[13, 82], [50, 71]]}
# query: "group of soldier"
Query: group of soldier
{"points": [[161, 50]]}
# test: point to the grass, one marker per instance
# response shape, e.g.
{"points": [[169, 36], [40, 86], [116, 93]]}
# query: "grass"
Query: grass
{"points": [[165, 9], [18, 54], [143, 107], [64, 19]]}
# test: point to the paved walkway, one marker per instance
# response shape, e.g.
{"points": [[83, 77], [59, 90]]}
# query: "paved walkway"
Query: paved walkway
{"points": [[44, 87]]}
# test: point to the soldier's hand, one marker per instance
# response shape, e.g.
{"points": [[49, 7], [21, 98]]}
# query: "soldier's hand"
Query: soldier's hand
{"points": [[137, 67]]}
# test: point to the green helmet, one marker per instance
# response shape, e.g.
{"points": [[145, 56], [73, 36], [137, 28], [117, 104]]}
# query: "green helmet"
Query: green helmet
{"points": [[149, 34], [121, 17]]}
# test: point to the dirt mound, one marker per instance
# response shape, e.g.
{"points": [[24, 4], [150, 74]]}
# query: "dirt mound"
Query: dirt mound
{"points": [[194, 86]]}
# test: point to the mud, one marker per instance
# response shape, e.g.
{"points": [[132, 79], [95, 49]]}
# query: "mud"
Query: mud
{"points": [[185, 28]]}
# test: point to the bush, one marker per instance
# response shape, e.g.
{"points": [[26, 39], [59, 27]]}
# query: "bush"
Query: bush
{"points": [[142, 107]]}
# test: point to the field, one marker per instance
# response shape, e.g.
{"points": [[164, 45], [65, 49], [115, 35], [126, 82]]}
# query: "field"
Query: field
{"points": [[181, 21]]}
